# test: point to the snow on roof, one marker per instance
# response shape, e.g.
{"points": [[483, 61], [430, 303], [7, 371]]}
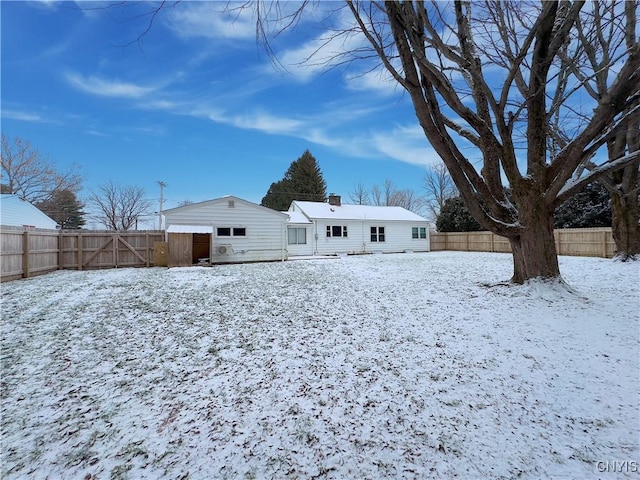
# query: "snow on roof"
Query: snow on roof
{"points": [[190, 229], [19, 213], [297, 217], [317, 210]]}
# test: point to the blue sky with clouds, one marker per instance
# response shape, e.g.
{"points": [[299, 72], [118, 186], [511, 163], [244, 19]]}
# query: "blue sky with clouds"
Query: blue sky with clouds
{"points": [[197, 102]]}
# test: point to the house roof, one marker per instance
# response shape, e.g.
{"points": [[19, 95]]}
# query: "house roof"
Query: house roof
{"points": [[225, 199], [297, 217], [320, 210], [19, 213]]}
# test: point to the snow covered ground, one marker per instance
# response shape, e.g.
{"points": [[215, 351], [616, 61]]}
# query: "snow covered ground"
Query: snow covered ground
{"points": [[369, 367]]}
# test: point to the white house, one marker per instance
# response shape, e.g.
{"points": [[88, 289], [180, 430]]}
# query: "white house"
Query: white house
{"points": [[16, 212], [225, 230], [332, 228]]}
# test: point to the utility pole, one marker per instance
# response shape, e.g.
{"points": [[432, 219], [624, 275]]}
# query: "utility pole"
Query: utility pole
{"points": [[162, 185]]}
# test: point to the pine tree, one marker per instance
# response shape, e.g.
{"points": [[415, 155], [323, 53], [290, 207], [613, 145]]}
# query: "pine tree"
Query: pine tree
{"points": [[303, 180], [589, 208], [455, 217], [65, 208]]}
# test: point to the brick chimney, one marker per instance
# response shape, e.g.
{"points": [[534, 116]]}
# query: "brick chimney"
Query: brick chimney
{"points": [[334, 200]]}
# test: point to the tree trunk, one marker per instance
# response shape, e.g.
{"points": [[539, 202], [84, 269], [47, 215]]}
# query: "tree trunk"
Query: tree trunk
{"points": [[534, 248], [623, 186], [624, 225]]}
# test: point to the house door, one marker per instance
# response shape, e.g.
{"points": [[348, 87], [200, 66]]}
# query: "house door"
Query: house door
{"points": [[201, 248]]}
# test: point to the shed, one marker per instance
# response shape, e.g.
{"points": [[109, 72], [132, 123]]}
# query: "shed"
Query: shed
{"points": [[340, 228], [16, 212], [225, 230]]}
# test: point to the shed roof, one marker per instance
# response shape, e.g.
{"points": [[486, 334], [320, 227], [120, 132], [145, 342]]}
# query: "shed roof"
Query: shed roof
{"points": [[19, 213], [321, 210]]}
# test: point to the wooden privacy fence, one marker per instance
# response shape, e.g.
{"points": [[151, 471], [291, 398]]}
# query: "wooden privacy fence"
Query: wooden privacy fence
{"points": [[583, 242], [26, 253]]}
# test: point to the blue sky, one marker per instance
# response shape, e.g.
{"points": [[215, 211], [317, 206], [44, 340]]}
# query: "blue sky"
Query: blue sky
{"points": [[197, 103]]}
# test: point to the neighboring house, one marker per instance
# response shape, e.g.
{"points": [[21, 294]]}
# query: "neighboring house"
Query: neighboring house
{"points": [[16, 212], [225, 230], [333, 228]]}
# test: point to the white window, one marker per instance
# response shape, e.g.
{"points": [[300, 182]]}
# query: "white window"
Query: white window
{"points": [[419, 232], [297, 236], [336, 231], [231, 231], [377, 234]]}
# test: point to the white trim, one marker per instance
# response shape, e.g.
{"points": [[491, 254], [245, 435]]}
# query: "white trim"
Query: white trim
{"points": [[190, 229]]}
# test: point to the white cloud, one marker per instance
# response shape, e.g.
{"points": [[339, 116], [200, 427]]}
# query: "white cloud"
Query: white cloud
{"points": [[107, 88], [210, 20], [378, 80], [406, 144], [325, 51], [22, 116], [268, 123]]}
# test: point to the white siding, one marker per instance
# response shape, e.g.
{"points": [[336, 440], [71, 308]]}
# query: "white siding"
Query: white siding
{"points": [[301, 249], [265, 238], [398, 237], [397, 222]]}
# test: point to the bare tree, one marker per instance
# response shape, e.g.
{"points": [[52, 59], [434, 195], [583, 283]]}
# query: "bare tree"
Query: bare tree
{"points": [[388, 195], [407, 199], [28, 174], [377, 196], [624, 187], [439, 56], [438, 188], [599, 38], [119, 207], [359, 196]]}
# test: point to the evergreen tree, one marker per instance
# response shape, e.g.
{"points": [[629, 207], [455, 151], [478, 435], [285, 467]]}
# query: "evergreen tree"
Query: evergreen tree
{"points": [[589, 208], [303, 180], [65, 208], [454, 217]]}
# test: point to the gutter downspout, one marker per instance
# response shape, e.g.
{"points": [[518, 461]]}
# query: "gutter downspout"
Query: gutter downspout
{"points": [[282, 239], [315, 237], [364, 237]]}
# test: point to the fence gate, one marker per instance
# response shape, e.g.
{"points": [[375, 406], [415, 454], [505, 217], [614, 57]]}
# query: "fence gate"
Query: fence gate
{"points": [[114, 251]]}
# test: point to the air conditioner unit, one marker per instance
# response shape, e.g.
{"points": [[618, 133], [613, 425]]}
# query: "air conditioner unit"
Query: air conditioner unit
{"points": [[224, 250]]}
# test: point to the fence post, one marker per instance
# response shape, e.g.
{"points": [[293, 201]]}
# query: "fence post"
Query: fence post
{"points": [[80, 254], [147, 254], [25, 254], [60, 251], [604, 244], [466, 241]]}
